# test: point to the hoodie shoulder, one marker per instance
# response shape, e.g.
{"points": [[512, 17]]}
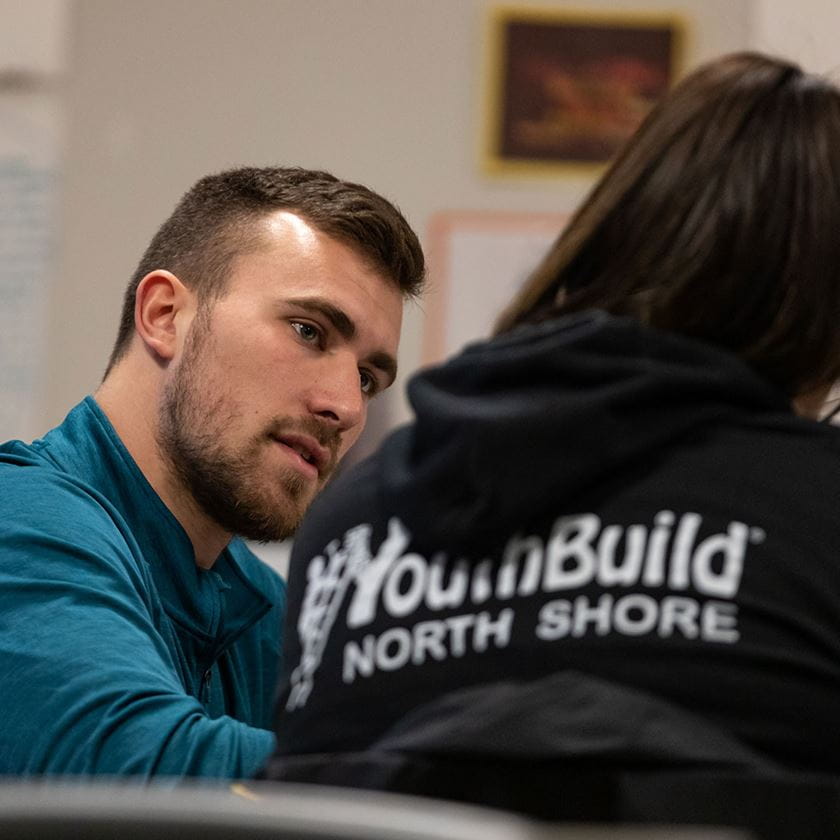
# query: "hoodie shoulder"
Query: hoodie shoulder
{"points": [[352, 499]]}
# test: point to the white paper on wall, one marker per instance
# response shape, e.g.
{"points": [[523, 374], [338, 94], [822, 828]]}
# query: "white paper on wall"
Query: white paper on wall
{"points": [[28, 191], [478, 260]]}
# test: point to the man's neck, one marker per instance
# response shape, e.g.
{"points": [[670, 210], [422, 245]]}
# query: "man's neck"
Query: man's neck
{"points": [[130, 399]]}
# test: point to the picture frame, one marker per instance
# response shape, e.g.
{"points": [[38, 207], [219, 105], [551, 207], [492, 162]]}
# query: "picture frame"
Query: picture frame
{"points": [[566, 89], [477, 262]]}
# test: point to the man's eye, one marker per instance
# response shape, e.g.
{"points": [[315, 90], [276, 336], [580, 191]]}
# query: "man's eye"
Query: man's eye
{"points": [[368, 382], [307, 332]]}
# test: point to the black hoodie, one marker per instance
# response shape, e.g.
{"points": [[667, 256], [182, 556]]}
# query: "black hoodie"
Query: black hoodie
{"points": [[582, 497]]}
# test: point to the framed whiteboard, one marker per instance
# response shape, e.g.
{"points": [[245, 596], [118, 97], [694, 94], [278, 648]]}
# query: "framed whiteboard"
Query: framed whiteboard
{"points": [[477, 261]]}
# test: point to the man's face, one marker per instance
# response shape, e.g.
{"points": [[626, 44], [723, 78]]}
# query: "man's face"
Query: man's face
{"points": [[273, 380]]}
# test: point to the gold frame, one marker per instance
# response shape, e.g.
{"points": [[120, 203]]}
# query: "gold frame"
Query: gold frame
{"points": [[496, 71]]}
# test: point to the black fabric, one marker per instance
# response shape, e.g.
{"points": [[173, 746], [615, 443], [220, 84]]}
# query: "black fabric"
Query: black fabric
{"points": [[771, 806], [591, 506], [569, 716]]}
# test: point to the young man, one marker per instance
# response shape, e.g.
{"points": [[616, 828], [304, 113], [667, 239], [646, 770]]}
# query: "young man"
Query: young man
{"points": [[138, 633]]}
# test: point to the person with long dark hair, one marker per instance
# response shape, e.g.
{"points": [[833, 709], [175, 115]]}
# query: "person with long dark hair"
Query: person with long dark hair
{"points": [[610, 537]]}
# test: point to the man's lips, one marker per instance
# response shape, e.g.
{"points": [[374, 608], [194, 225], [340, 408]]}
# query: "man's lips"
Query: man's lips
{"points": [[309, 450]]}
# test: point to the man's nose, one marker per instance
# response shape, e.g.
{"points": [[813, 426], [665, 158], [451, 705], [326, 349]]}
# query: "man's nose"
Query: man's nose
{"points": [[335, 395]]}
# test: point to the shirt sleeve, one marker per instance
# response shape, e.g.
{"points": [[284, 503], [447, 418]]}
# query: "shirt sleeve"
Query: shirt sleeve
{"points": [[89, 685]]}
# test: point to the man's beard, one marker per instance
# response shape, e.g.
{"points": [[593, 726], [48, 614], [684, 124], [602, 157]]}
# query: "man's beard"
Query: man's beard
{"points": [[228, 485]]}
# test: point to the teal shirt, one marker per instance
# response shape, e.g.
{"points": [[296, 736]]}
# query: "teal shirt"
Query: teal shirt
{"points": [[118, 654]]}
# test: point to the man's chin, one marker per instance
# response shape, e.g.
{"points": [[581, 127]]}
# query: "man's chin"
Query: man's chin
{"points": [[280, 522], [267, 532], [269, 516]]}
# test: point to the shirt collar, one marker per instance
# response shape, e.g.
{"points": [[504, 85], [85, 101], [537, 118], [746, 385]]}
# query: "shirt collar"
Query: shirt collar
{"points": [[88, 444]]}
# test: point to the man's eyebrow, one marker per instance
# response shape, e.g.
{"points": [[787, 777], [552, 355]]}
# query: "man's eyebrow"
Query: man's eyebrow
{"points": [[346, 328], [337, 317]]}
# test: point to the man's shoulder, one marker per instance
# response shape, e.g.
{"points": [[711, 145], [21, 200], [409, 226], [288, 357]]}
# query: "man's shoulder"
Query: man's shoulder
{"points": [[16, 453], [39, 501], [25, 474]]}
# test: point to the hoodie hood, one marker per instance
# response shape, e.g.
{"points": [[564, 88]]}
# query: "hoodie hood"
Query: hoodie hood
{"points": [[537, 417]]}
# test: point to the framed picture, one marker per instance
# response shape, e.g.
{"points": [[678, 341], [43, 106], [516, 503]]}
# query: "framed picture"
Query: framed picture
{"points": [[477, 261], [569, 88]]}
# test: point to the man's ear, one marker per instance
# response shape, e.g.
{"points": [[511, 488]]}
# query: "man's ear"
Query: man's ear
{"points": [[163, 309]]}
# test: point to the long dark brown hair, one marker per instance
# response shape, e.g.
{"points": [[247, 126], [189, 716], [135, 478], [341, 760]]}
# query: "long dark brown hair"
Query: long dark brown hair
{"points": [[719, 220]]}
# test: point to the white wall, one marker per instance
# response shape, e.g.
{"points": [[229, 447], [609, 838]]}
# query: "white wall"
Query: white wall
{"points": [[805, 31], [388, 92], [33, 35]]}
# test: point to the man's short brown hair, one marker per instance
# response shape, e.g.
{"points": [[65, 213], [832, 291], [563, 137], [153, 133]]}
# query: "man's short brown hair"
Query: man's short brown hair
{"points": [[215, 221]]}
